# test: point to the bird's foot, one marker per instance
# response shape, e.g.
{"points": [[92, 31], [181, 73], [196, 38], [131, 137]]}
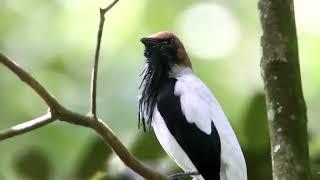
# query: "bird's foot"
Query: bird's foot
{"points": [[184, 174]]}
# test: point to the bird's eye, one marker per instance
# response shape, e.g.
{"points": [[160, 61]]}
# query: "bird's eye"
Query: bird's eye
{"points": [[167, 44], [172, 41]]}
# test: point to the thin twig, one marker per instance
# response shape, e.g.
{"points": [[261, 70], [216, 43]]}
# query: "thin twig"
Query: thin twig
{"points": [[106, 9], [60, 112], [28, 79], [96, 60], [27, 126]]}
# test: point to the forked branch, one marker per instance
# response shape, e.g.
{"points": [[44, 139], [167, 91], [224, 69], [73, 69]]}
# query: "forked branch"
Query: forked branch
{"points": [[60, 112], [57, 111], [96, 59]]}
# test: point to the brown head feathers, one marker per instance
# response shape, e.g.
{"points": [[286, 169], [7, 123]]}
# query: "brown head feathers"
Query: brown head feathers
{"points": [[182, 55]]}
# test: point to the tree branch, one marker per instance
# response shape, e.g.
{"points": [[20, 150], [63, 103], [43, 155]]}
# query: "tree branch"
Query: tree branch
{"points": [[58, 111], [96, 59], [28, 79], [285, 103], [27, 126], [101, 128]]}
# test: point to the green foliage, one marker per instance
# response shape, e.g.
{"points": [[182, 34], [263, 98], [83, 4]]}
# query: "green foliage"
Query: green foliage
{"points": [[146, 147], [257, 146], [33, 164], [55, 41], [94, 159]]}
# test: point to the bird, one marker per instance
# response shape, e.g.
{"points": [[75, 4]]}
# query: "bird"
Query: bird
{"points": [[185, 116]]}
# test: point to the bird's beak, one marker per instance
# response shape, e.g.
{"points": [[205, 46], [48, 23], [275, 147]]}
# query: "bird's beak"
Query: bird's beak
{"points": [[149, 41]]}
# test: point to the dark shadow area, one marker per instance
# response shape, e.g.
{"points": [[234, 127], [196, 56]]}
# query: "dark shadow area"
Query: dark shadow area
{"points": [[257, 150], [93, 160], [32, 163]]}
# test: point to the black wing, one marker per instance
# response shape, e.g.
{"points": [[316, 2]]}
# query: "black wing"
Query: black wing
{"points": [[202, 149]]}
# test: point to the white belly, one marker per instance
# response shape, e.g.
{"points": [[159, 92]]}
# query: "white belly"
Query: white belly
{"points": [[170, 145]]}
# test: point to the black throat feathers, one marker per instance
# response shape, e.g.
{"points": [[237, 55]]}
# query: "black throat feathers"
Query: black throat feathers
{"points": [[158, 66]]}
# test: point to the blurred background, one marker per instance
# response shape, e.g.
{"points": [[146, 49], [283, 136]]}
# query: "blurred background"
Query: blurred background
{"points": [[55, 40]]}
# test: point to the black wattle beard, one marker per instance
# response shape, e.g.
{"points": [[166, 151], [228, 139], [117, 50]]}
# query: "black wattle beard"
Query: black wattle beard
{"points": [[155, 73]]}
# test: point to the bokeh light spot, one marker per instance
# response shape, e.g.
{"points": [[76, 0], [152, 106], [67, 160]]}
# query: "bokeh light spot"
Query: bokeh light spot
{"points": [[208, 30], [307, 15]]}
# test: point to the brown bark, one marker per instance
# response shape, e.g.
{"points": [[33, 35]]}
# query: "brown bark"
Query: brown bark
{"points": [[284, 98], [57, 111]]}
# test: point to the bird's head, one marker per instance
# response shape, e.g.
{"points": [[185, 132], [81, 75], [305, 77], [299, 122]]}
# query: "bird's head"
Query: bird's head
{"points": [[167, 48], [163, 52]]}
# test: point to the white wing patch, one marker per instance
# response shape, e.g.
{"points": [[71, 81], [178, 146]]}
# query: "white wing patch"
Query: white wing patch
{"points": [[200, 107]]}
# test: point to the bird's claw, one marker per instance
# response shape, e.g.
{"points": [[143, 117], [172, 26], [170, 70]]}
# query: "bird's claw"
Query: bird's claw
{"points": [[183, 174]]}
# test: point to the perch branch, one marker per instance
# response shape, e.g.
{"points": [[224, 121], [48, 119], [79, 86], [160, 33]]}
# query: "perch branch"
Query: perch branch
{"points": [[101, 128], [26, 126], [58, 111], [96, 59]]}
